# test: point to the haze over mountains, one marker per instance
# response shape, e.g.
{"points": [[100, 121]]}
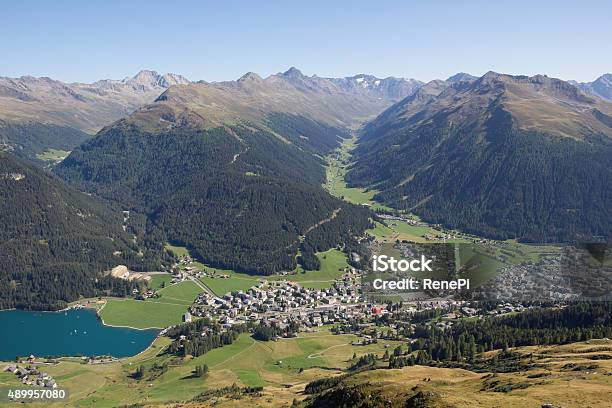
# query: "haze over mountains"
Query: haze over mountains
{"points": [[505, 156]]}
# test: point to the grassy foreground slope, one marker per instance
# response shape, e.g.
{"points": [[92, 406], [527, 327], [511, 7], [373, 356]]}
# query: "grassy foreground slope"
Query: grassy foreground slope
{"points": [[569, 376], [572, 376], [283, 367]]}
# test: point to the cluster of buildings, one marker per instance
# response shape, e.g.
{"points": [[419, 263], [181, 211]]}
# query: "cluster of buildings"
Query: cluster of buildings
{"points": [[31, 376], [12, 176], [287, 305], [432, 237], [546, 280], [282, 302], [405, 219]]}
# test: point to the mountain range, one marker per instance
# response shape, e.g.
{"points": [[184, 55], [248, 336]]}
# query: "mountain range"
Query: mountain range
{"points": [[37, 114], [239, 159], [601, 87], [504, 156], [234, 170]]}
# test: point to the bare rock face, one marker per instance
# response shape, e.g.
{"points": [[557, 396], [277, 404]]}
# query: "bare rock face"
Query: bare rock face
{"points": [[120, 271], [601, 87]]}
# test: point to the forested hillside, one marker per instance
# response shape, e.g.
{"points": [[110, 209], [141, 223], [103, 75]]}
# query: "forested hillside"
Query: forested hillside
{"points": [[238, 196], [27, 140], [56, 242], [503, 156]]}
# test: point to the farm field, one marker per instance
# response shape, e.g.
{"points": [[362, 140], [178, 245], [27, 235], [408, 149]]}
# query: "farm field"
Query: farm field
{"points": [[151, 313], [226, 280], [157, 280], [141, 314], [182, 293]]}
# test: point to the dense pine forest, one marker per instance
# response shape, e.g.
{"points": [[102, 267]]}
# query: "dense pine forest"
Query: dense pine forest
{"points": [[576, 322], [307, 134], [238, 197], [498, 182], [56, 242]]}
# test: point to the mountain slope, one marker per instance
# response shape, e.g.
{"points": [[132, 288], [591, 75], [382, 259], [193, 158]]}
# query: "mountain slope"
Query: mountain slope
{"points": [[461, 76], [37, 114], [232, 170], [40, 114], [505, 156], [336, 102], [56, 242], [601, 87]]}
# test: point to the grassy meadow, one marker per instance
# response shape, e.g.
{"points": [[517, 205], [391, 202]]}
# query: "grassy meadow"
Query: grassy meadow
{"points": [[162, 312], [53, 155], [286, 366]]}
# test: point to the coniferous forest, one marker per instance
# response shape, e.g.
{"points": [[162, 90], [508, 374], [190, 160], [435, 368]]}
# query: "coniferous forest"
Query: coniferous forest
{"points": [[56, 242], [490, 178], [238, 197]]}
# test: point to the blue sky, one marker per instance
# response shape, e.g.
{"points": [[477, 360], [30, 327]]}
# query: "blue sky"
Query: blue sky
{"points": [[89, 40]]}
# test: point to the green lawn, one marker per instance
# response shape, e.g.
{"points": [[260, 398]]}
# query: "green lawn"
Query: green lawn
{"points": [[161, 312], [381, 231], [220, 285], [180, 293], [177, 250], [157, 280]]}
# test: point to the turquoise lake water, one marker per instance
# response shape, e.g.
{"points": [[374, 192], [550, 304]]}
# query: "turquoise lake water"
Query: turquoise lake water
{"points": [[70, 333]]}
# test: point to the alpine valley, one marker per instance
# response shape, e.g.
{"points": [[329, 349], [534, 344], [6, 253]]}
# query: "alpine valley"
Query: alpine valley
{"points": [[226, 229], [503, 156], [231, 170]]}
